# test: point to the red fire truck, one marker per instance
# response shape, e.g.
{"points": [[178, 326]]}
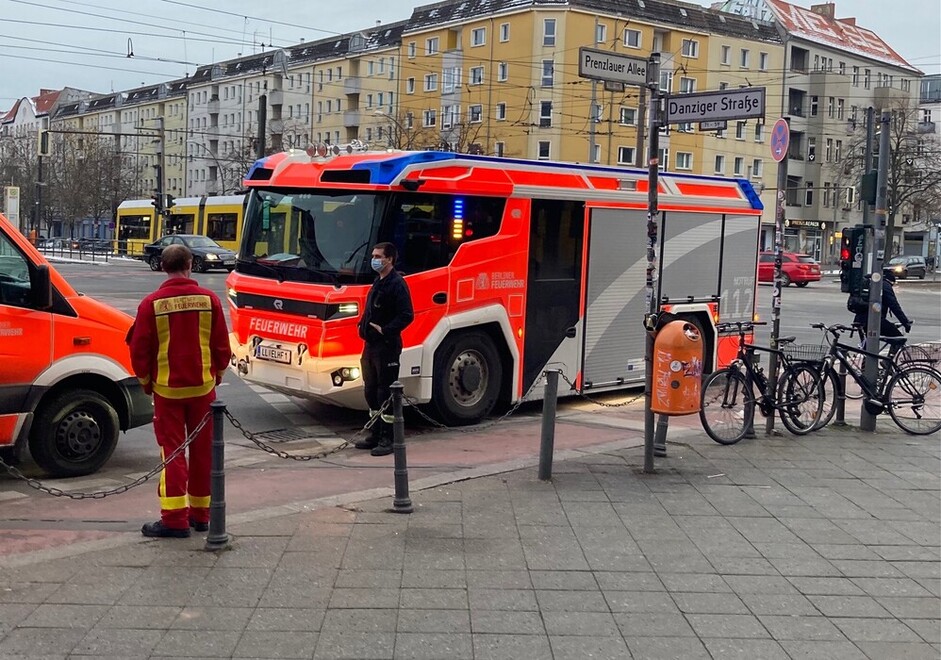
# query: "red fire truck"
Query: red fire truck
{"points": [[514, 267]]}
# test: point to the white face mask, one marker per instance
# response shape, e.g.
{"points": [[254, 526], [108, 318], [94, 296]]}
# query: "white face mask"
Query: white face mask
{"points": [[376, 264]]}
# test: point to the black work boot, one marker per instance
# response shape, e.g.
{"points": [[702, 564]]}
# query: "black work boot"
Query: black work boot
{"points": [[384, 448], [369, 442], [159, 530]]}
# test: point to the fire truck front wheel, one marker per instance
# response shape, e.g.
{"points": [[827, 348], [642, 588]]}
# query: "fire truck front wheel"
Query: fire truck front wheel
{"points": [[73, 433], [468, 375]]}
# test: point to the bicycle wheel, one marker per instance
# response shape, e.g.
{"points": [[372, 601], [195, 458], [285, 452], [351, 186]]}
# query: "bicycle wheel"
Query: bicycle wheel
{"points": [[853, 390], [800, 398], [914, 399], [727, 406], [830, 395]]}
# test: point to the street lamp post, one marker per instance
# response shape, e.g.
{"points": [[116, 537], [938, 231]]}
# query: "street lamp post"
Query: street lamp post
{"points": [[403, 130], [219, 167]]}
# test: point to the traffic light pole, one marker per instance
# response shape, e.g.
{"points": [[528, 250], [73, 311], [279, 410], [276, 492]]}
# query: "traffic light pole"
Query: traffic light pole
{"points": [[653, 221], [867, 421]]}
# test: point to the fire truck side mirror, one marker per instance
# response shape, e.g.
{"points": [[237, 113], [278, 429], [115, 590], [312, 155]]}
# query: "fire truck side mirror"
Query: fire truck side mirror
{"points": [[40, 285]]}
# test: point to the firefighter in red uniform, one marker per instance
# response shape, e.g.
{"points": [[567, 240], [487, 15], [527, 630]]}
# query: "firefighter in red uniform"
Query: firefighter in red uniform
{"points": [[180, 350]]}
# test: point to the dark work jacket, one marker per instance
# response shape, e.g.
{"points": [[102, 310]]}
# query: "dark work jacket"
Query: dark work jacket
{"points": [[388, 305], [890, 303]]}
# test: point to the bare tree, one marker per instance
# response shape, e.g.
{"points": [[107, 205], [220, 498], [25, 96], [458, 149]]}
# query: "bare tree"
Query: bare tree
{"points": [[914, 168], [18, 167]]}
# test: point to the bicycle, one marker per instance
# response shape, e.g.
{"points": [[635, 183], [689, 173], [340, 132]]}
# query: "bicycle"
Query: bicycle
{"points": [[728, 396], [897, 351], [909, 391]]}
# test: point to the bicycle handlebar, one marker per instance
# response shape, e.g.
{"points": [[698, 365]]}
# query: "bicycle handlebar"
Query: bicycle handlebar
{"points": [[741, 326]]}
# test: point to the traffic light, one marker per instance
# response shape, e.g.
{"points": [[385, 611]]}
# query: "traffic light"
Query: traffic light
{"points": [[171, 202], [852, 250], [868, 186], [42, 147], [157, 202]]}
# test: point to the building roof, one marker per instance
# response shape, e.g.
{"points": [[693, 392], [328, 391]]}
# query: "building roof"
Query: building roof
{"points": [[663, 12], [821, 26]]}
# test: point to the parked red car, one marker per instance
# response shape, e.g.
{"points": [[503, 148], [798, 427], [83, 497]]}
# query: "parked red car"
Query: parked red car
{"points": [[800, 269]]}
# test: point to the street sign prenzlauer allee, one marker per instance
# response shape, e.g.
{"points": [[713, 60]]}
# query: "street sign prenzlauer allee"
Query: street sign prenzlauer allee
{"points": [[602, 65], [744, 103]]}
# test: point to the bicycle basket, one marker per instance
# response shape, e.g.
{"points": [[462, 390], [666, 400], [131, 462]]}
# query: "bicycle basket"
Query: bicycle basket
{"points": [[928, 352], [804, 352]]}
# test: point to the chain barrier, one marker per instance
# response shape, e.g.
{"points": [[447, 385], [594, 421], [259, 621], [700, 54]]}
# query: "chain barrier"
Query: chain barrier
{"points": [[268, 449], [596, 401], [117, 490]]}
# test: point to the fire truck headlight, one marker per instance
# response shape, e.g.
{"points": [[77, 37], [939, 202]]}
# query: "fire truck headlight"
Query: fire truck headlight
{"points": [[233, 295]]}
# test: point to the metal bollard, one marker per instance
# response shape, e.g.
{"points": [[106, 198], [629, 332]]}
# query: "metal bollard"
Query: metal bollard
{"points": [[660, 438], [401, 503], [218, 539], [547, 440], [840, 396]]}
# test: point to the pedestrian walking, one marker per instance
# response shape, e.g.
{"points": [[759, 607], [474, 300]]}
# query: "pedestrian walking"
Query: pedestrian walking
{"points": [[890, 303], [388, 312], [180, 351]]}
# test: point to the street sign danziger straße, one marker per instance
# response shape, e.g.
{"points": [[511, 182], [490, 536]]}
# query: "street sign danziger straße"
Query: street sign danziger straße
{"points": [[744, 103]]}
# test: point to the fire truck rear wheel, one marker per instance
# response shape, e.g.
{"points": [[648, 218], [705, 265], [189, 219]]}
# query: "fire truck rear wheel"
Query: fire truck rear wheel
{"points": [[74, 433], [468, 375]]}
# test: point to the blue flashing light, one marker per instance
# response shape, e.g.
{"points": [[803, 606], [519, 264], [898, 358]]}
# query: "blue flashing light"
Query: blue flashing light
{"points": [[458, 208], [751, 194], [384, 172], [256, 165]]}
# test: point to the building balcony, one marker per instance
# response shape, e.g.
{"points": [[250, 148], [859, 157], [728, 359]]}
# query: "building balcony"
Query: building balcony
{"points": [[352, 118], [275, 97], [276, 126], [213, 106], [352, 85], [926, 127], [888, 97]]}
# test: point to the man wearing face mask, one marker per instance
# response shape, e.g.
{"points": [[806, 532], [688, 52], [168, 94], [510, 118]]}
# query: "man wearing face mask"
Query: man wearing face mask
{"points": [[388, 311]]}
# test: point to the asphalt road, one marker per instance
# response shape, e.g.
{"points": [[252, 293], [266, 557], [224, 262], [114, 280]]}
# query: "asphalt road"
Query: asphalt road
{"points": [[123, 283]]}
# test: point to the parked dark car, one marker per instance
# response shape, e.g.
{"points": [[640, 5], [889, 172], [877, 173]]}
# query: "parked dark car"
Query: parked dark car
{"points": [[100, 245], [905, 267], [206, 252], [801, 269]]}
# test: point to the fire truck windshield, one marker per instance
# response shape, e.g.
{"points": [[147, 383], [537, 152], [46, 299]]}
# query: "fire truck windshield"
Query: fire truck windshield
{"points": [[310, 237]]}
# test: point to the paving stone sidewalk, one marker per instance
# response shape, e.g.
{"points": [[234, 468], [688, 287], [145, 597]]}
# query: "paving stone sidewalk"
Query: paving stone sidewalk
{"points": [[816, 547]]}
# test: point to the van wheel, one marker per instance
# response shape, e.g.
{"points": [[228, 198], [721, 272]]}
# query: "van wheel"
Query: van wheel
{"points": [[155, 263], [74, 433], [467, 378]]}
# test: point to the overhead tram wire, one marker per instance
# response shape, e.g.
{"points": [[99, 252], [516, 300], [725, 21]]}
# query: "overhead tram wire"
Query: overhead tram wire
{"points": [[254, 18], [46, 24], [119, 56], [90, 66]]}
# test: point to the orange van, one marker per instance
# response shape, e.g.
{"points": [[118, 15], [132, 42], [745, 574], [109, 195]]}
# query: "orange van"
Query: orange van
{"points": [[66, 384]]}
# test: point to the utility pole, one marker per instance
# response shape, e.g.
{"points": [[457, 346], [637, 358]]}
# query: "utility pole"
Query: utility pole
{"points": [[641, 123], [867, 421], [779, 211], [262, 122], [160, 169], [653, 222]]}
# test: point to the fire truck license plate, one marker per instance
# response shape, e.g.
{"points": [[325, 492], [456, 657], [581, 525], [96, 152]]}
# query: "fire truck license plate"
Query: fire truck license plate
{"points": [[273, 353]]}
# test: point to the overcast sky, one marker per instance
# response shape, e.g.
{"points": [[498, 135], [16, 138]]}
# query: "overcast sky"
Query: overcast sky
{"points": [[84, 43]]}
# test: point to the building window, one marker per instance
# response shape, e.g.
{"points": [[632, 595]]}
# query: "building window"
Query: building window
{"points": [[548, 32], [501, 111], [812, 149], [720, 164], [738, 166], [867, 78], [431, 46], [826, 194], [743, 62], [831, 107], [601, 33], [498, 149], [842, 68], [412, 49], [431, 82], [632, 38], [369, 100], [475, 114], [763, 61], [759, 132], [477, 75], [840, 107], [503, 71], [739, 130], [684, 160], [548, 71], [625, 155], [726, 55], [838, 152], [855, 76], [756, 168], [690, 48], [687, 85], [504, 32], [809, 194], [629, 116], [410, 86], [429, 118], [450, 115], [663, 158], [828, 151], [478, 36], [814, 102], [544, 150], [545, 114]]}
